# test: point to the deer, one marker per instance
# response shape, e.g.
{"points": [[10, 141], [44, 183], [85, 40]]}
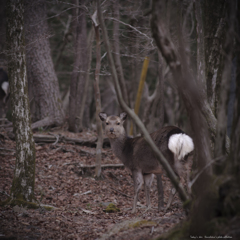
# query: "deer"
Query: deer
{"points": [[137, 156]]}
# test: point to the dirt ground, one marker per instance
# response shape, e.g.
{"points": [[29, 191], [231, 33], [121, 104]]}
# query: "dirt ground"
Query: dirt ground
{"points": [[79, 198]]}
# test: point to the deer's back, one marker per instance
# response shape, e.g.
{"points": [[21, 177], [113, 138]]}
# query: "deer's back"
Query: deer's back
{"points": [[143, 156]]}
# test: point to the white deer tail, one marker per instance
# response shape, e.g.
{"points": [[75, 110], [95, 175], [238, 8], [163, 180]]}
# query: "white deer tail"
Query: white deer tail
{"points": [[181, 145]]}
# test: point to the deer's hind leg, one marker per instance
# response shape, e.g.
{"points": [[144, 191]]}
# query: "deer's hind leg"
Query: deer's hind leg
{"points": [[148, 179], [138, 182], [160, 192]]}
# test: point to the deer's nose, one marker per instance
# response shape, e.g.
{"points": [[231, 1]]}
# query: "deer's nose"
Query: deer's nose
{"points": [[111, 129]]}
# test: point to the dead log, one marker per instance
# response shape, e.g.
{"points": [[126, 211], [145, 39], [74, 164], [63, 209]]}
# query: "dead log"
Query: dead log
{"points": [[81, 169], [118, 165], [90, 143], [42, 138]]}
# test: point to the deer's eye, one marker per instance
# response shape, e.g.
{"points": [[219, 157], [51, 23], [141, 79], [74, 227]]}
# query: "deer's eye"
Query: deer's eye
{"points": [[106, 123], [118, 123]]}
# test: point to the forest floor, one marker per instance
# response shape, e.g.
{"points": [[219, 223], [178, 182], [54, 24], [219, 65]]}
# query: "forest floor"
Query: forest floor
{"points": [[79, 198]]}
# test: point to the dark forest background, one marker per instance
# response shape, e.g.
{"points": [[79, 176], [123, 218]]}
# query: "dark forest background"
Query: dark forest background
{"points": [[58, 63]]}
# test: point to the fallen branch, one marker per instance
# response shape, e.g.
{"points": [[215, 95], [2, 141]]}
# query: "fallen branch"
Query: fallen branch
{"points": [[87, 192], [57, 138], [6, 125], [120, 192], [120, 165], [91, 142], [7, 154], [85, 152], [4, 193], [7, 149], [41, 138]]}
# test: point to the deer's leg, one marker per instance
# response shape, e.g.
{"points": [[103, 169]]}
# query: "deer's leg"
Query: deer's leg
{"points": [[160, 192], [138, 182], [172, 194], [148, 179]]}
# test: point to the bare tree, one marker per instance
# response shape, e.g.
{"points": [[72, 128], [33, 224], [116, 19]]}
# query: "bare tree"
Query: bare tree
{"points": [[97, 96], [116, 54], [44, 92], [24, 174], [211, 35], [84, 110], [214, 30], [79, 70], [3, 31], [220, 141]]}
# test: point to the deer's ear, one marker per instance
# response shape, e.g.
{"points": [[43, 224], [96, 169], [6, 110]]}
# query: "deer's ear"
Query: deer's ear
{"points": [[103, 116], [123, 116]]}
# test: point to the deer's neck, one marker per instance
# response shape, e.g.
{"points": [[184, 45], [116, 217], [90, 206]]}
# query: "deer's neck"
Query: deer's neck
{"points": [[119, 145]]}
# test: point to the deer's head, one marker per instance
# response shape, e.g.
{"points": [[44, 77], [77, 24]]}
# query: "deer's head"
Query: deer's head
{"points": [[113, 124]]}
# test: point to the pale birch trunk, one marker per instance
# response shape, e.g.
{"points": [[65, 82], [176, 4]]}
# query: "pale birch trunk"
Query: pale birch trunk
{"points": [[24, 175]]}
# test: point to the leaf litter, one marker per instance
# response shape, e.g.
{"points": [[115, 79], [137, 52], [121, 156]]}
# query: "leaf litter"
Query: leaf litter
{"points": [[80, 199]]}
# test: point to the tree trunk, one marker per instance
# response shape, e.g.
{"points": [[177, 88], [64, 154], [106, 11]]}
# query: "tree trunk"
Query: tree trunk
{"points": [[235, 143], [84, 110], [3, 63], [135, 63], [116, 54], [214, 23], [227, 49], [98, 97], [43, 84], [24, 175], [79, 72], [201, 68], [3, 31]]}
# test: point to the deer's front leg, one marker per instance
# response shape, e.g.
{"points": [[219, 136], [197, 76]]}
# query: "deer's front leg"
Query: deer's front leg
{"points": [[138, 182]]}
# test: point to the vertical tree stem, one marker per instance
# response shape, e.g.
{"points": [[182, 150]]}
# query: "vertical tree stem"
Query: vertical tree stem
{"points": [[24, 175], [98, 104]]}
